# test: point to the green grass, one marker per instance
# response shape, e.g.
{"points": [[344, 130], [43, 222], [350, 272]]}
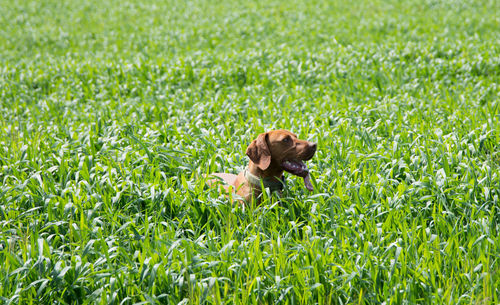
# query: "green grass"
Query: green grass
{"points": [[111, 111]]}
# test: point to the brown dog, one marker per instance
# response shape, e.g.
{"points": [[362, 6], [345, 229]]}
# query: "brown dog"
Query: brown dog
{"points": [[270, 154]]}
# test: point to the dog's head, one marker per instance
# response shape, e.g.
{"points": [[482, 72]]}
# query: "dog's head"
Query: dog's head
{"points": [[281, 150]]}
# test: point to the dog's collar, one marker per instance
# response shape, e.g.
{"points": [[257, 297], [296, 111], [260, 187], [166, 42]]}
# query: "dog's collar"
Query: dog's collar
{"points": [[270, 183]]}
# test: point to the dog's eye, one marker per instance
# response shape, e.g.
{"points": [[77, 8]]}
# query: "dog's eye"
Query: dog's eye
{"points": [[286, 140]]}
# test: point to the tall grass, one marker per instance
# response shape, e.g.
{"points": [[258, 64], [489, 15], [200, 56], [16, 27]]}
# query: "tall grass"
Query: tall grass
{"points": [[112, 111]]}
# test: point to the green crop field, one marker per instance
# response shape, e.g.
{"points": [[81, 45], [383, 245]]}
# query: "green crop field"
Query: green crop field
{"points": [[111, 112]]}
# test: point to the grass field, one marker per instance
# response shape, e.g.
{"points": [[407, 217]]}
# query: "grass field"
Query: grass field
{"points": [[110, 111]]}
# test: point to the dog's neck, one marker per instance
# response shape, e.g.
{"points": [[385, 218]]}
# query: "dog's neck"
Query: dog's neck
{"points": [[271, 178]]}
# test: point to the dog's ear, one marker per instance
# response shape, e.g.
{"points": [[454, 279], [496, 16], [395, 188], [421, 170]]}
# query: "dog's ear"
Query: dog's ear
{"points": [[259, 152]]}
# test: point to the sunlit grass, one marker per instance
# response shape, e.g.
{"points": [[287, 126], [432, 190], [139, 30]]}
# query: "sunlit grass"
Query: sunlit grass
{"points": [[111, 112]]}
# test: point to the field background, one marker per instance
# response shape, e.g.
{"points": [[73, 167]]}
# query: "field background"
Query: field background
{"points": [[110, 111]]}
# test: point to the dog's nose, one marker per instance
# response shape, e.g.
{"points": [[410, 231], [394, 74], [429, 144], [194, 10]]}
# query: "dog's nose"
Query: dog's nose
{"points": [[313, 146]]}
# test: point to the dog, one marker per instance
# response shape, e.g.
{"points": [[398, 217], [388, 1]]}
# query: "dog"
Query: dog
{"points": [[271, 154]]}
